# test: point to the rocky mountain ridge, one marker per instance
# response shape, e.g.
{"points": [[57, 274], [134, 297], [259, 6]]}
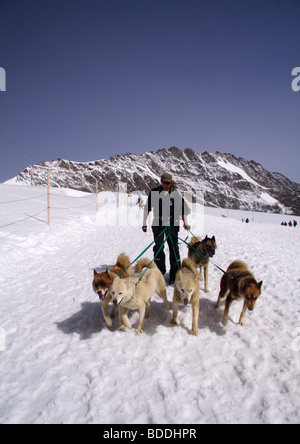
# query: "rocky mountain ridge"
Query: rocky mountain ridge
{"points": [[227, 181]]}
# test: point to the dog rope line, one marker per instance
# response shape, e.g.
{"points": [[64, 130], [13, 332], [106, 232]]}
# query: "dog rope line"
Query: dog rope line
{"points": [[168, 235], [143, 252], [177, 261], [219, 268]]}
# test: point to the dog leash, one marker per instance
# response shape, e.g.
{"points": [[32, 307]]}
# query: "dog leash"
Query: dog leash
{"points": [[191, 246], [144, 251], [168, 235]]}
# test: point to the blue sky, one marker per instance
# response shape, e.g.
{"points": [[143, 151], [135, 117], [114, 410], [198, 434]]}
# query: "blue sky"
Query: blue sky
{"points": [[87, 79]]}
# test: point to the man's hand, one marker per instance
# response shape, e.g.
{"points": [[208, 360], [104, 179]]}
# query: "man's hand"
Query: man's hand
{"points": [[186, 225], [144, 228]]}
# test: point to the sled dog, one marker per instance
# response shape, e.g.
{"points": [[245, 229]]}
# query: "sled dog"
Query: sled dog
{"points": [[132, 293], [207, 249], [186, 291], [240, 284], [103, 280]]}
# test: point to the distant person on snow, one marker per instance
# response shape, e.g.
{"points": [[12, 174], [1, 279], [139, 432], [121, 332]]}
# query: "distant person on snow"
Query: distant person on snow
{"points": [[168, 207], [140, 203]]}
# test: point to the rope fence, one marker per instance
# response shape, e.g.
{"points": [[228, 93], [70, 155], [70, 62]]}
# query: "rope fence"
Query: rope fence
{"points": [[49, 207], [52, 203], [20, 200], [22, 220]]}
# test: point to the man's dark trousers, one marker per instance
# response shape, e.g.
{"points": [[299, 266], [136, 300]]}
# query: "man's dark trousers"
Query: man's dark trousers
{"points": [[160, 259]]}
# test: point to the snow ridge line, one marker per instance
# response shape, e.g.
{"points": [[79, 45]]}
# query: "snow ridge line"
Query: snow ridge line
{"points": [[21, 200]]}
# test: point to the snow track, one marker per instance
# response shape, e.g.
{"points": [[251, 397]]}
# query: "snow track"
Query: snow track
{"points": [[61, 364]]}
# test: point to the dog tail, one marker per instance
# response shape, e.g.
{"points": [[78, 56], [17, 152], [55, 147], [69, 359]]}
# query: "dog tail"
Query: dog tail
{"points": [[143, 263], [237, 264], [195, 240], [188, 263], [124, 262]]}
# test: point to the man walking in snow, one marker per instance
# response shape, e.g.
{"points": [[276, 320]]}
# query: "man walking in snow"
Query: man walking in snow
{"points": [[168, 206]]}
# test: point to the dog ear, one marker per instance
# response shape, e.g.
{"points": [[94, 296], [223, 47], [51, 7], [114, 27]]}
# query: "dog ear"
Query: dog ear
{"points": [[205, 238], [107, 272], [213, 239], [260, 284], [112, 275], [95, 272]]}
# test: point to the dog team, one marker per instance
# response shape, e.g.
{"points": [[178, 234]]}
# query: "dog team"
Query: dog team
{"points": [[131, 288]]}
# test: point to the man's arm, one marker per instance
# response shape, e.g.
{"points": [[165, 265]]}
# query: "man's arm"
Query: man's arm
{"points": [[145, 217], [186, 210], [186, 226]]}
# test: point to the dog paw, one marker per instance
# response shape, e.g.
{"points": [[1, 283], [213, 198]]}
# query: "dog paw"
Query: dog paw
{"points": [[174, 321], [122, 328], [127, 323], [108, 322], [206, 290], [195, 332], [225, 321], [138, 331]]}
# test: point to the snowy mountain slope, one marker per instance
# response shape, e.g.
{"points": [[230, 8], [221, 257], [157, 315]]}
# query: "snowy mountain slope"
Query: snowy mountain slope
{"points": [[61, 364], [227, 181]]}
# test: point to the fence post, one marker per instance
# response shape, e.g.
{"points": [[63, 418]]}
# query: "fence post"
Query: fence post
{"points": [[97, 207], [48, 197]]}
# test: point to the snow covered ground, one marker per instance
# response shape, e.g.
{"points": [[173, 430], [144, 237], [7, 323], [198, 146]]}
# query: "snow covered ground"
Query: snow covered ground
{"points": [[59, 363]]}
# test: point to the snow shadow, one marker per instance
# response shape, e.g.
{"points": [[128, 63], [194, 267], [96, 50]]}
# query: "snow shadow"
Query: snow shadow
{"points": [[86, 322], [103, 267], [89, 319], [159, 316], [210, 317]]}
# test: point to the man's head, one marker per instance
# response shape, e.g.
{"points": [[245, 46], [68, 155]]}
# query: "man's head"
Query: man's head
{"points": [[166, 181]]}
